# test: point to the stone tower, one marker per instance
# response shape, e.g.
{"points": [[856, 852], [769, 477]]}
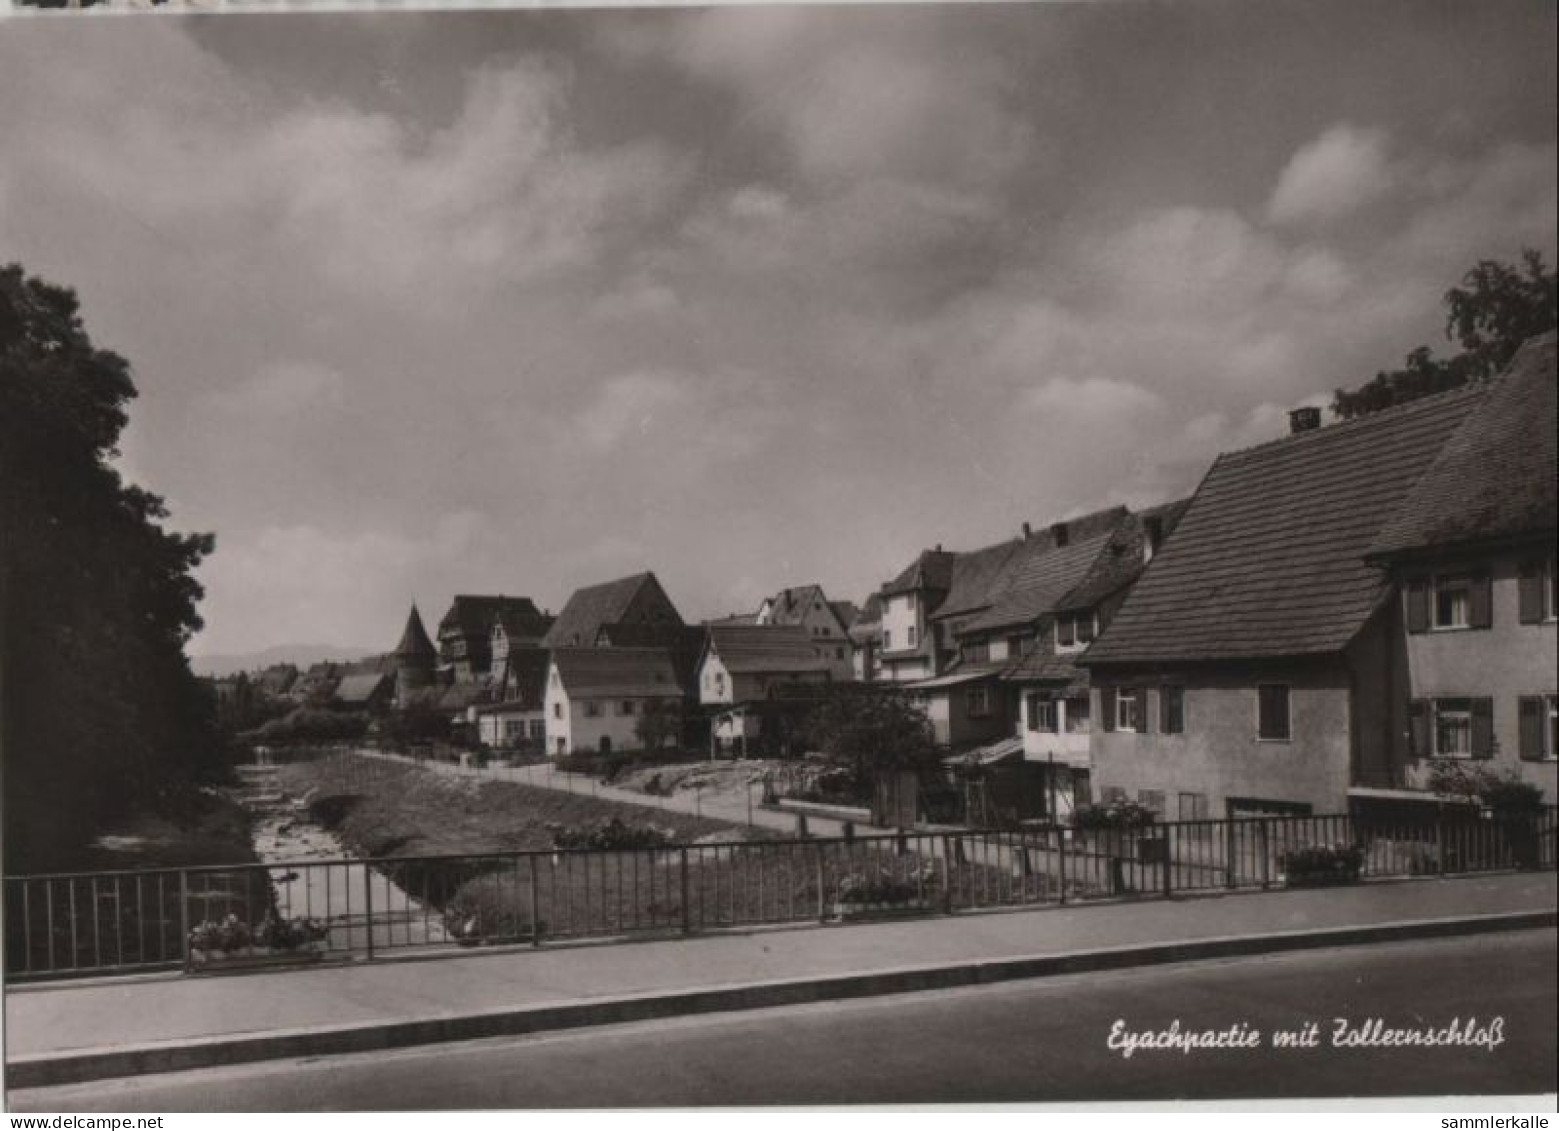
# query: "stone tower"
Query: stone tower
{"points": [[415, 659]]}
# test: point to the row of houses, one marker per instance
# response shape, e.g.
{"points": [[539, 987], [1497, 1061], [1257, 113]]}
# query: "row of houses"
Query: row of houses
{"points": [[1325, 617]]}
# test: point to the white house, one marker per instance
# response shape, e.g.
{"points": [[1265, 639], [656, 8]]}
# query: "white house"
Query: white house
{"points": [[595, 697]]}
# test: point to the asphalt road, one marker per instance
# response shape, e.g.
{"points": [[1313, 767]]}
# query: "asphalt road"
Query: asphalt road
{"points": [[1023, 1042]]}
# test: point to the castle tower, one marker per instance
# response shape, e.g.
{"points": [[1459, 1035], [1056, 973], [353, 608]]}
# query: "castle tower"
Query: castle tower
{"points": [[415, 659]]}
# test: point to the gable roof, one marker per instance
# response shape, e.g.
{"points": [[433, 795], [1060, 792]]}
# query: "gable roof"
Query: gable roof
{"points": [[1268, 558], [753, 649], [1497, 477], [979, 576], [604, 672], [845, 612], [473, 615], [1045, 577], [590, 608], [932, 569], [360, 687], [868, 621], [524, 677], [414, 640], [790, 606]]}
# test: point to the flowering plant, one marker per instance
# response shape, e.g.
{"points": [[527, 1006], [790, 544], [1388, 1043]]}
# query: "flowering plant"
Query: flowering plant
{"points": [[231, 934], [883, 886], [1314, 863], [289, 934], [1120, 814]]}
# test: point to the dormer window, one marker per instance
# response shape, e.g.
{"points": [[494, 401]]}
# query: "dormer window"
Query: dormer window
{"points": [[1075, 631]]}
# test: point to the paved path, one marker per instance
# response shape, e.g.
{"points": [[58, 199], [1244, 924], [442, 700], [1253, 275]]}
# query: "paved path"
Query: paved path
{"points": [[722, 807], [1025, 1042], [114, 1013]]}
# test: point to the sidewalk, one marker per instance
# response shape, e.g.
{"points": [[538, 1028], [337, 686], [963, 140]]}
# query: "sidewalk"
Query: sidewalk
{"points": [[75, 1031]]}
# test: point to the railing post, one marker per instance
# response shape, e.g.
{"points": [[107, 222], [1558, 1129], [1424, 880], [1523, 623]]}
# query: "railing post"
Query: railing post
{"points": [[183, 916], [1439, 843], [947, 876], [535, 903], [1229, 854], [822, 884], [1166, 861], [1061, 858], [368, 906], [1261, 848], [687, 911]]}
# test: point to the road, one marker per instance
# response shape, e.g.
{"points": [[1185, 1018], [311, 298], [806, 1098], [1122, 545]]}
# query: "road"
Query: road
{"points": [[1044, 1040]]}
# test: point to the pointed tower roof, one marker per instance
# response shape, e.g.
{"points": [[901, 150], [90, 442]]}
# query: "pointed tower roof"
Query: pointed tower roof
{"points": [[414, 641]]}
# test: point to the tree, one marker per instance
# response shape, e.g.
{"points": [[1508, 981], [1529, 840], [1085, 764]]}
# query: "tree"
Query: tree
{"points": [[874, 728], [659, 725], [1496, 308], [101, 712]]}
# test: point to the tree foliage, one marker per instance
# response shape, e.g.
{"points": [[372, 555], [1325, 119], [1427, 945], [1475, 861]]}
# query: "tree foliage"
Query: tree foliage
{"points": [[873, 728], [97, 599], [659, 725], [1496, 308]]}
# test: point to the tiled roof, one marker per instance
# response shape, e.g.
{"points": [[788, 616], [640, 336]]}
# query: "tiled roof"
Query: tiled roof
{"points": [[594, 606], [765, 648], [474, 615], [1046, 574], [524, 678], [978, 577], [1497, 477], [1268, 559], [1045, 667], [933, 570], [845, 612], [1122, 561], [360, 687], [414, 640], [604, 672], [867, 622]]}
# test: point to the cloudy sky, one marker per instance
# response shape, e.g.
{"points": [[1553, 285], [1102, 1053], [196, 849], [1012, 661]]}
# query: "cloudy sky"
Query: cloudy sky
{"points": [[516, 301]]}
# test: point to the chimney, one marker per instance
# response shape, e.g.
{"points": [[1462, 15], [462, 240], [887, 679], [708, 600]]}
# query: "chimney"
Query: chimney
{"points": [[1152, 537], [1026, 532], [1059, 534], [1306, 419], [939, 547]]}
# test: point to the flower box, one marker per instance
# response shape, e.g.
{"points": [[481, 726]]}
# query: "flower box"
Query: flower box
{"points": [[854, 911], [254, 957], [1321, 866]]}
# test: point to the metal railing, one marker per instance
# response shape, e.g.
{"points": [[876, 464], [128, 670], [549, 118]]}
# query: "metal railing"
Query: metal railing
{"points": [[93, 923]]}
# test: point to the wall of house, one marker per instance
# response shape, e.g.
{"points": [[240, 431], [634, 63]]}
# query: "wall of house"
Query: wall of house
{"points": [[1505, 661], [714, 681], [1041, 746], [822, 626], [1219, 755], [900, 661], [953, 725], [580, 731], [497, 728]]}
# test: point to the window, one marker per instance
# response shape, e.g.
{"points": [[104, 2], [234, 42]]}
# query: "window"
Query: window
{"points": [[1151, 799], [1085, 628], [720, 682], [838, 653], [909, 602], [1066, 632], [1193, 807], [1075, 631], [1082, 787], [1171, 709], [1538, 598], [513, 730], [887, 640], [557, 710], [592, 709], [1077, 715], [1112, 793], [1453, 728], [1042, 714], [1272, 721], [978, 702], [1539, 727], [976, 651], [911, 637], [625, 707], [1017, 646], [1127, 713], [1449, 601], [538, 729]]}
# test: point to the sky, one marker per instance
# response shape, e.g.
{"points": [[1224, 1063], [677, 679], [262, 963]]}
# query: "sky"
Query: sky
{"points": [[421, 303]]}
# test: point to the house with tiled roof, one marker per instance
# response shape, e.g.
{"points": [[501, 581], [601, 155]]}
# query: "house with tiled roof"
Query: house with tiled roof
{"points": [[1250, 668], [466, 630], [906, 649], [364, 691], [866, 640], [516, 718], [808, 607], [635, 600], [595, 697], [751, 678], [1469, 556]]}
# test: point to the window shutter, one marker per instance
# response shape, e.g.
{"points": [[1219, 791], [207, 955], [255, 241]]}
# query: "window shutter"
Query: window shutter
{"points": [[1107, 707], [1483, 728], [1480, 612], [1144, 719], [1532, 720], [1531, 593], [1418, 728], [1418, 605], [1165, 726]]}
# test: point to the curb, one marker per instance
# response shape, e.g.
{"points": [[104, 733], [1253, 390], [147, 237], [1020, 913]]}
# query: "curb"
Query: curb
{"points": [[54, 1068]]}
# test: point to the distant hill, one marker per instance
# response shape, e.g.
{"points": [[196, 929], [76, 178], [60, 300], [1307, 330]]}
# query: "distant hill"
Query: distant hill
{"points": [[300, 654]]}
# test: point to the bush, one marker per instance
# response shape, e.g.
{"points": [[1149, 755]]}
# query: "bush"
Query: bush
{"points": [[612, 834], [883, 886], [1113, 815], [310, 724], [1322, 864]]}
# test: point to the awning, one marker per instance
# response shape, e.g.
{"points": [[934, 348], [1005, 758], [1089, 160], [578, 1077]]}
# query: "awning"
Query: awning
{"points": [[956, 678], [1005, 750]]}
